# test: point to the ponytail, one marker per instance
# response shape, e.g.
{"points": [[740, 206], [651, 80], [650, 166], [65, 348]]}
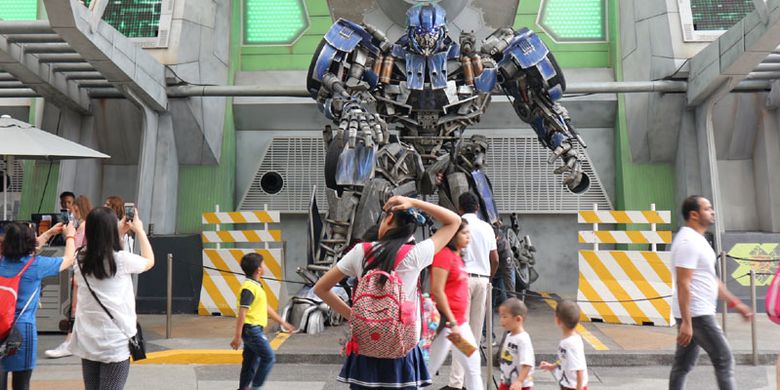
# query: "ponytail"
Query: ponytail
{"points": [[383, 253]]}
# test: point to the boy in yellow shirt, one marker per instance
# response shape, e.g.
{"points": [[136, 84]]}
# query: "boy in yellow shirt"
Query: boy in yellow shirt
{"points": [[253, 312]]}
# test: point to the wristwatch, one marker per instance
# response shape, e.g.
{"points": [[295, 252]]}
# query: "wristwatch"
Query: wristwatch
{"points": [[449, 324]]}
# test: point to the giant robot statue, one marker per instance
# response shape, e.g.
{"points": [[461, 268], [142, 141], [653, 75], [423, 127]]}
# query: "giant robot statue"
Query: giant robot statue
{"points": [[430, 89]]}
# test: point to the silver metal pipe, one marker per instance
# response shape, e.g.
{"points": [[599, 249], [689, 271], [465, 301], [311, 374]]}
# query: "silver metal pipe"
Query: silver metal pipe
{"points": [[169, 299], [753, 338], [50, 58], [25, 27], [49, 48], [35, 38], [667, 86], [724, 310], [7, 77]]}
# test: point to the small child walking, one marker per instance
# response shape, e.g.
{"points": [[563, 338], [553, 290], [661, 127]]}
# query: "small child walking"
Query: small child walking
{"points": [[253, 313], [517, 353], [571, 369]]}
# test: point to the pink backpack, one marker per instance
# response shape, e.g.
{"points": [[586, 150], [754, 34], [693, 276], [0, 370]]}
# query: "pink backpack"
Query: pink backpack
{"points": [[772, 300], [384, 322]]}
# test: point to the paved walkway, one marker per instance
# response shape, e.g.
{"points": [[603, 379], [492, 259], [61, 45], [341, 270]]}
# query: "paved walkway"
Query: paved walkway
{"points": [[198, 355]]}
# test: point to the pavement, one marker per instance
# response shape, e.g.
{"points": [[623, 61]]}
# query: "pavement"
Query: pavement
{"points": [[197, 356]]}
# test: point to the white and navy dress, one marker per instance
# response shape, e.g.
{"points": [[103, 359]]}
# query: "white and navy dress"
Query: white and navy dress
{"points": [[409, 372]]}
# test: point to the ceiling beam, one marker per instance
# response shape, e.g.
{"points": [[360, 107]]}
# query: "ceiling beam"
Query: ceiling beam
{"points": [[28, 70]]}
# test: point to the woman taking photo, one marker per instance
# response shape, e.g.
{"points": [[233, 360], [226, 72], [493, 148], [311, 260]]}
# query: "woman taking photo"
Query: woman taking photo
{"points": [[396, 228], [450, 291], [80, 209], [18, 249], [100, 342]]}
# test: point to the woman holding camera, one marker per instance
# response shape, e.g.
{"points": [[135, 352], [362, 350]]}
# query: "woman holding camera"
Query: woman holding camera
{"points": [[103, 273], [18, 257]]}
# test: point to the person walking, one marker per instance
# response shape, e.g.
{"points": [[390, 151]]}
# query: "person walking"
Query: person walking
{"points": [[450, 290], [105, 268], [481, 262], [398, 224], [697, 289], [18, 257]]}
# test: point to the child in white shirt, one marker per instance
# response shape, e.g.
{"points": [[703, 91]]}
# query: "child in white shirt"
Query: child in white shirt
{"points": [[571, 369], [517, 353]]}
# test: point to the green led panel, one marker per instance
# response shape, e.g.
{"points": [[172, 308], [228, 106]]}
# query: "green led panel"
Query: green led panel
{"points": [[18, 9], [133, 18], [273, 21], [719, 14], [574, 20]]}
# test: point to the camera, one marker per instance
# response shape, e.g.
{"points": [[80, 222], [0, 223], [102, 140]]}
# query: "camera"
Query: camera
{"points": [[129, 211], [64, 216]]}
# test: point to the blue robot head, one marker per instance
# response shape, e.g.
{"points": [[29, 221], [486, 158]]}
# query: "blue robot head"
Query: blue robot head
{"points": [[426, 28]]}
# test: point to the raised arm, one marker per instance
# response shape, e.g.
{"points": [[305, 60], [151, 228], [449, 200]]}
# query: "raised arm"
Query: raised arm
{"points": [[449, 220], [143, 241], [531, 76]]}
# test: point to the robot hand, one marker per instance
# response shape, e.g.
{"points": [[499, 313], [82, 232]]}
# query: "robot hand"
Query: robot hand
{"points": [[358, 122], [573, 176]]}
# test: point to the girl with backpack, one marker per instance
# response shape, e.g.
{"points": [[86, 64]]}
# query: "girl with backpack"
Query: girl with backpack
{"points": [[450, 291], [395, 264], [21, 268]]}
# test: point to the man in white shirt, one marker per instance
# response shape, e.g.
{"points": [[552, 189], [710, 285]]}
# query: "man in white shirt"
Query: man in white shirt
{"points": [[480, 263], [697, 289]]}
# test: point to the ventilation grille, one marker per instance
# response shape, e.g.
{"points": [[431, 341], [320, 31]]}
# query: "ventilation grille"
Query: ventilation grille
{"points": [[16, 174], [522, 180]]}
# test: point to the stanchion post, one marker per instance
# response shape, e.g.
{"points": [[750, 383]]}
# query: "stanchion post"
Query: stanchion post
{"points": [[753, 319], [169, 298], [489, 333], [723, 307]]}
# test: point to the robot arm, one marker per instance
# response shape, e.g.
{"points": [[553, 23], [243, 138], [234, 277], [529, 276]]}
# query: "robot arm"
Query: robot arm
{"points": [[529, 74], [341, 77]]}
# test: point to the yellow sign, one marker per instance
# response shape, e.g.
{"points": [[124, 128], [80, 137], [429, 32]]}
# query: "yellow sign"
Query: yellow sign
{"points": [[765, 270]]}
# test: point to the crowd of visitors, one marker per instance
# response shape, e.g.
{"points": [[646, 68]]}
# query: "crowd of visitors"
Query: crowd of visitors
{"points": [[385, 310]]}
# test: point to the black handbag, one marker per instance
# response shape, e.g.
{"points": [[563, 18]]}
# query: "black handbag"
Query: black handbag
{"points": [[135, 343]]}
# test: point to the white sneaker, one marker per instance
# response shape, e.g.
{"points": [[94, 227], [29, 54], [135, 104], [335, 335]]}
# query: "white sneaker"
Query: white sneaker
{"points": [[61, 351]]}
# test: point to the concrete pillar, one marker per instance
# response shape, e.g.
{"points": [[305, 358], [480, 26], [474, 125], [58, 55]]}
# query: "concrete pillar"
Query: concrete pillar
{"points": [[688, 178], [708, 159], [146, 163], [158, 171], [766, 166], [166, 178]]}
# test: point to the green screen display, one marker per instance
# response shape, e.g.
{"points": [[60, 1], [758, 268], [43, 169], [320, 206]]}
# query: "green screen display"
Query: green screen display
{"points": [[719, 14], [18, 9], [273, 21], [574, 20], [133, 18]]}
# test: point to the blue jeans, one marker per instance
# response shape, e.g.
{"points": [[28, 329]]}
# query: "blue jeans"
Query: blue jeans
{"points": [[707, 335], [258, 357]]}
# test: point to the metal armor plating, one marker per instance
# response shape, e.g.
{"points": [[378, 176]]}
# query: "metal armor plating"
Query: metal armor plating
{"points": [[429, 89]]}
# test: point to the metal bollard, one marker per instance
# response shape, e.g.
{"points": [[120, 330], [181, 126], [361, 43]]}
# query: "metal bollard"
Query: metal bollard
{"points": [[753, 319], [723, 305], [169, 298], [489, 333]]}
